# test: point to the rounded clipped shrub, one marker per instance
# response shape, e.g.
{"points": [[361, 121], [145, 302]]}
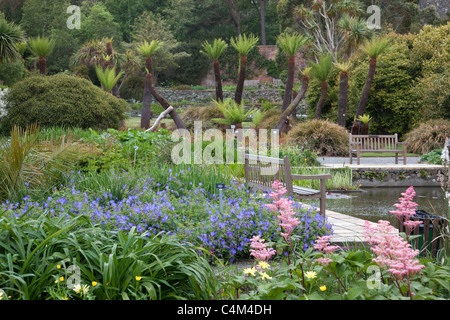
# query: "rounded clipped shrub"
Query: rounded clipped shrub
{"points": [[321, 136], [428, 136], [62, 100]]}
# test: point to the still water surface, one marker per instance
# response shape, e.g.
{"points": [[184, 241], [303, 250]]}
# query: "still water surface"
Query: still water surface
{"points": [[375, 203]]}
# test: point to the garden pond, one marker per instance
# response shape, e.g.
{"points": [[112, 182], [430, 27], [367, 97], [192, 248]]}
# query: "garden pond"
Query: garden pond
{"points": [[374, 204]]}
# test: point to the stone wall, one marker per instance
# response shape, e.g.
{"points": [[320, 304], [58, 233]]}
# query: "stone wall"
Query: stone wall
{"points": [[206, 96], [417, 177]]}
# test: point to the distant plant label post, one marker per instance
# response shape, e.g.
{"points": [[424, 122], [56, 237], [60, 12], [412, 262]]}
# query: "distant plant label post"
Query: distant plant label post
{"points": [[374, 21], [74, 21]]}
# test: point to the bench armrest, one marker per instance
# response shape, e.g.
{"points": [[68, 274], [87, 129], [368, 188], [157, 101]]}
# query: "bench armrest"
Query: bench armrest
{"points": [[356, 143], [402, 143], [305, 177]]}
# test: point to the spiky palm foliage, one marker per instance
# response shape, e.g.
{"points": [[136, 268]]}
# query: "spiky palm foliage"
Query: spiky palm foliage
{"points": [[373, 49], [214, 52], [243, 46], [26, 160], [108, 77], [146, 50], [234, 113], [356, 32], [41, 48], [290, 44], [343, 91], [10, 37], [92, 53], [320, 71]]}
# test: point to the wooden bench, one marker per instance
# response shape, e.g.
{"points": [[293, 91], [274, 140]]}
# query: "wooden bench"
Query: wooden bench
{"points": [[261, 172], [376, 144]]}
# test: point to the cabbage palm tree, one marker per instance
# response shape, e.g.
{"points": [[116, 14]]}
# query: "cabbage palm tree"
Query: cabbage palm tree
{"points": [[213, 52], [11, 35], [146, 50], [320, 71], [243, 45], [343, 91], [290, 44], [373, 48], [107, 77], [41, 48]]}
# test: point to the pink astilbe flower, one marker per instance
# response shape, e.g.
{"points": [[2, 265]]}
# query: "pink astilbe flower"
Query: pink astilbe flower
{"points": [[392, 252], [284, 207], [322, 244], [406, 210], [260, 250]]}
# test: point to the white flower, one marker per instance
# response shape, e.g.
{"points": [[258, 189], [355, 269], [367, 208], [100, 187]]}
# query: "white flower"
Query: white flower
{"points": [[3, 93], [445, 156]]}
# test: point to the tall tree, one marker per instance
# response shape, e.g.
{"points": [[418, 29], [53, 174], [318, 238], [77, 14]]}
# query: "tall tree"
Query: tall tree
{"points": [[214, 52], [243, 45], [343, 91], [290, 44], [234, 13], [322, 20], [320, 71], [147, 50], [262, 14], [11, 35], [41, 48], [373, 49]]}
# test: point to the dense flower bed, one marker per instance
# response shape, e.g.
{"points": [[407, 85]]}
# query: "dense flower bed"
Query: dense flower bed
{"points": [[187, 211]]}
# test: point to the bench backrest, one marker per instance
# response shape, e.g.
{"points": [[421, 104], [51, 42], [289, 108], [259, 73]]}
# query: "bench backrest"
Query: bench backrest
{"points": [[261, 172], [375, 142]]}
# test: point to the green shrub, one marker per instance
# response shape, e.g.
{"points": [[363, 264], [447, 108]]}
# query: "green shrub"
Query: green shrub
{"points": [[428, 136], [12, 72], [432, 157], [321, 136], [62, 100]]}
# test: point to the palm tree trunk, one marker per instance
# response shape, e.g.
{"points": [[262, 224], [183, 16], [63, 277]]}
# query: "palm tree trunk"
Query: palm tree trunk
{"points": [[321, 102], [241, 79], [262, 12], [42, 65], [343, 98], [219, 92], [178, 122], [283, 123], [289, 84], [367, 87], [146, 112]]}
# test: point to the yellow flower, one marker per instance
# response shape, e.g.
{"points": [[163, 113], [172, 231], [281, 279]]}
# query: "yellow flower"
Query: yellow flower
{"points": [[61, 279], [323, 288], [264, 265], [66, 298], [251, 271], [265, 275], [138, 278], [58, 266], [310, 274], [94, 283]]}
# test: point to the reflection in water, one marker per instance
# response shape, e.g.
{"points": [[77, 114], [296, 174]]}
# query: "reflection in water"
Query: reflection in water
{"points": [[375, 203]]}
